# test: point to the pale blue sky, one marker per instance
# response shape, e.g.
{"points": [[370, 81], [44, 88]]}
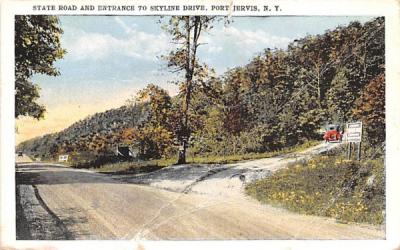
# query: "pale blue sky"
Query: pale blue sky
{"points": [[111, 57]]}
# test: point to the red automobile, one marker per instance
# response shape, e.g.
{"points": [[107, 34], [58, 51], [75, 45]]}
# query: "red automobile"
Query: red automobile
{"points": [[332, 133]]}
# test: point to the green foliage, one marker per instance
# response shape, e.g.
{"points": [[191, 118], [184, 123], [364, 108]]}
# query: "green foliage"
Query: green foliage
{"points": [[370, 108], [285, 96], [159, 102], [154, 137], [134, 167], [154, 142], [37, 47], [235, 110], [349, 191], [222, 158]]}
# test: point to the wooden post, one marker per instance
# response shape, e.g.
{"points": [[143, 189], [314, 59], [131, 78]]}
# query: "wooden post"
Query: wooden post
{"points": [[349, 151], [359, 151]]}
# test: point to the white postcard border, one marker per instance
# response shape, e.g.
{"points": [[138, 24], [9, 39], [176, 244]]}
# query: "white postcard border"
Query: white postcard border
{"points": [[387, 8]]}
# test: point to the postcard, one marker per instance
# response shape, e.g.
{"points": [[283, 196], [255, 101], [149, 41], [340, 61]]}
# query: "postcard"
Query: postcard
{"points": [[201, 124]]}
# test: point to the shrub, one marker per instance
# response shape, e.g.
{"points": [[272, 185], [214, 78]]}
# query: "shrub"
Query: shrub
{"points": [[349, 191]]}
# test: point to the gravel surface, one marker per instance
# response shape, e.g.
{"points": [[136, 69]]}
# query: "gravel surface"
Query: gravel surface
{"points": [[219, 179]]}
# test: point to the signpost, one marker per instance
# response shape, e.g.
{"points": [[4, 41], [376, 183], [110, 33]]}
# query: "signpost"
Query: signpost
{"points": [[62, 158], [354, 132], [354, 135]]}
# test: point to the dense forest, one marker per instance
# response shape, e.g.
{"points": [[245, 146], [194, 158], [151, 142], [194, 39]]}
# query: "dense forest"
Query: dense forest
{"points": [[281, 98]]}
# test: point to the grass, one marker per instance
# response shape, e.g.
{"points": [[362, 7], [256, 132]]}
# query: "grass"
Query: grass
{"points": [[135, 167], [249, 156], [151, 165], [350, 191]]}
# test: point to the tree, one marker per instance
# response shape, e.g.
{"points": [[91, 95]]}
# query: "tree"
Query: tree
{"points": [[316, 58], [310, 58], [370, 108], [37, 47], [160, 104], [271, 86], [340, 98], [234, 106], [185, 31], [153, 137]]}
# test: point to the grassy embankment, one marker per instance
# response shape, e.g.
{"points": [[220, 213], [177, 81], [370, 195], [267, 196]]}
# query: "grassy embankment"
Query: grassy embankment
{"points": [[348, 190], [144, 166]]}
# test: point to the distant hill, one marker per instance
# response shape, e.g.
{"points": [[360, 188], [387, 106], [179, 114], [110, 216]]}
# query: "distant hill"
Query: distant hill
{"points": [[97, 133]]}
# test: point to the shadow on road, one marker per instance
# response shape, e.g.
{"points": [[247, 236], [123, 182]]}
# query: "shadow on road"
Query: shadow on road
{"points": [[48, 176], [172, 173]]}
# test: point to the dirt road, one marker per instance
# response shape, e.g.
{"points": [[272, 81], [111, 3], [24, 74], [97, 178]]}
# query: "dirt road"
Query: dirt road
{"points": [[176, 203]]}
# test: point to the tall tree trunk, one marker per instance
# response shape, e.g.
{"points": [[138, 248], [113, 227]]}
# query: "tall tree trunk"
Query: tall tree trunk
{"points": [[193, 27], [184, 142]]}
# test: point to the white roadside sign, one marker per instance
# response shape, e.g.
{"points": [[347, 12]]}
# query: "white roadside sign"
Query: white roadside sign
{"points": [[62, 158], [354, 131]]}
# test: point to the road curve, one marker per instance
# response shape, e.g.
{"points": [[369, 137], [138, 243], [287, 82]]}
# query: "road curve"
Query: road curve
{"points": [[55, 202]]}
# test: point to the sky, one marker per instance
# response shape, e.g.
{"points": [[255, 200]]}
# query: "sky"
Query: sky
{"points": [[110, 58]]}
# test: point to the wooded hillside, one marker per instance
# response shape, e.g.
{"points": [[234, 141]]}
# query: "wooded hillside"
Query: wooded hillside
{"points": [[280, 98], [96, 134]]}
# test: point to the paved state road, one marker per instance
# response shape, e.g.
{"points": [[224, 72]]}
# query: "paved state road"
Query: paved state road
{"points": [[188, 202]]}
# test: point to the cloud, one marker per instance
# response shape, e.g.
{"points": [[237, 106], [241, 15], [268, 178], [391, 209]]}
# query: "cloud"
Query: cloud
{"points": [[91, 46], [215, 49], [237, 45], [124, 26], [258, 38], [136, 44], [251, 41]]}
